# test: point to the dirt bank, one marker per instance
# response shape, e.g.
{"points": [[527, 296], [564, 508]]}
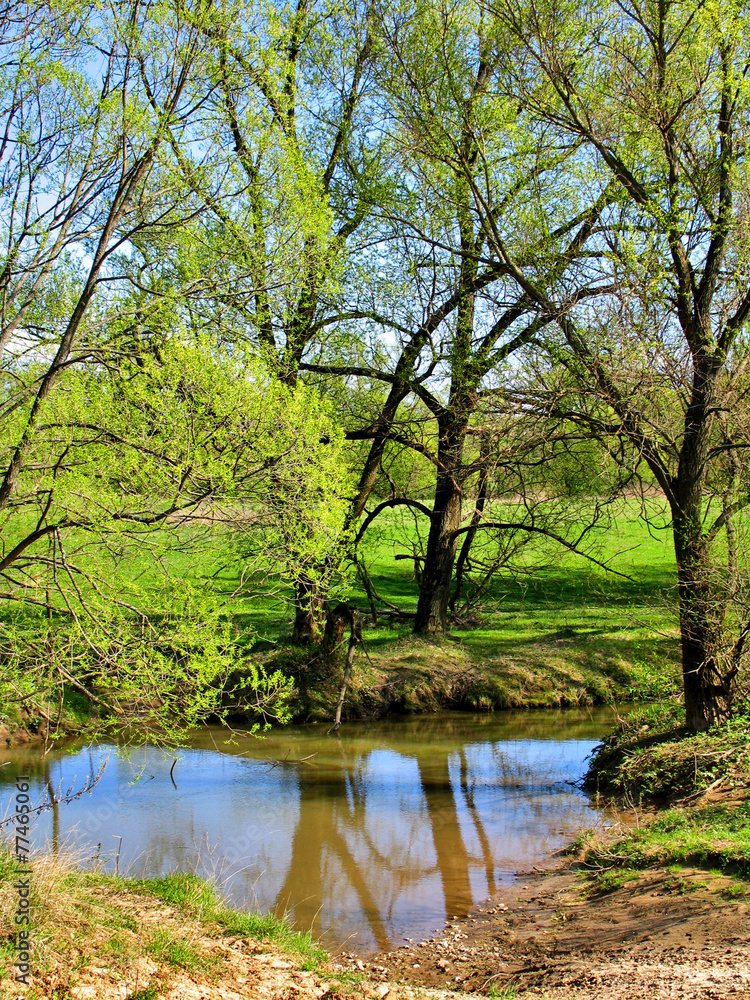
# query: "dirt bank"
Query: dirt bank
{"points": [[664, 934], [416, 675]]}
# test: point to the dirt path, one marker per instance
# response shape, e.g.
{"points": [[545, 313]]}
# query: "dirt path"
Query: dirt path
{"points": [[661, 935]]}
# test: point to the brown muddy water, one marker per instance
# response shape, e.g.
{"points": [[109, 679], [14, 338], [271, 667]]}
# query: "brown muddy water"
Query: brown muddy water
{"points": [[370, 837]]}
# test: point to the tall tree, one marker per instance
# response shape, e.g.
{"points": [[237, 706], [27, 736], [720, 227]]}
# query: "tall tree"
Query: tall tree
{"points": [[88, 100], [658, 95], [470, 216], [285, 171]]}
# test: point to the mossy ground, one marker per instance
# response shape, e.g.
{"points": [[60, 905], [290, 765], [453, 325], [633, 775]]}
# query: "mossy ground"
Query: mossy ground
{"points": [[415, 675], [650, 756]]}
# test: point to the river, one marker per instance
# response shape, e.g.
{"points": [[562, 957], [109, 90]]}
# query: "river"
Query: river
{"points": [[369, 837]]}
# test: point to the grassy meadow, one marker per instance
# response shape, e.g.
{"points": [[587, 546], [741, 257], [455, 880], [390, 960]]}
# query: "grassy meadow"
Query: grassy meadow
{"points": [[555, 628], [552, 628]]}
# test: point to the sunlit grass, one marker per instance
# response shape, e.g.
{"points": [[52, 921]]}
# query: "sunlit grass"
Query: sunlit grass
{"points": [[710, 836], [83, 917]]}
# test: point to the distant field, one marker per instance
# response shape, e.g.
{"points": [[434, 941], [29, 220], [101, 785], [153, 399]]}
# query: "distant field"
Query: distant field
{"points": [[555, 629], [556, 596], [563, 590]]}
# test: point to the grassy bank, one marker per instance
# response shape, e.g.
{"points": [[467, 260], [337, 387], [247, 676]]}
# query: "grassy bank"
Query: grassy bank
{"points": [[557, 630], [688, 795], [97, 935]]}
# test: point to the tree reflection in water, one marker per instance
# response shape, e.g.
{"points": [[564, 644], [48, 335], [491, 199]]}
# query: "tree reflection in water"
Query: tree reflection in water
{"points": [[388, 830]]}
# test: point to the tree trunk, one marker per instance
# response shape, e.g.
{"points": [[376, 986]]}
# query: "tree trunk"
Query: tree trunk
{"points": [[309, 606], [708, 691], [437, 573]]}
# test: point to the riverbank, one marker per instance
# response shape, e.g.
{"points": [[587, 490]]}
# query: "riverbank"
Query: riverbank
{"points": [[654, 909], [414, 675], [410, 675], [666, 933]]}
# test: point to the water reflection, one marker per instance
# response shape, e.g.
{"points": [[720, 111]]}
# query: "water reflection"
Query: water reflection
{"points": [[387, 831]]}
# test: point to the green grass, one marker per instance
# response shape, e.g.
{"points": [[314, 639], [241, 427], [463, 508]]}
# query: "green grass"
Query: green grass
{"points": [[84, 918], [198, 897], [147, 993], [710, 836], [507, 992], [553, 594], [172, 950]]}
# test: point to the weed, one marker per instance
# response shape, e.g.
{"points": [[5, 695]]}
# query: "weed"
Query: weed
{"points": [[609, 880], [506, 992], [651, 756], [149, 992], [713, 836], [737, 890], [348, 977], [275, 930], [178, 953]]}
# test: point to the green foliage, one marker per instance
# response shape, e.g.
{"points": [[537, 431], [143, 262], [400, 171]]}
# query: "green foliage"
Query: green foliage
{"points": [[131, 469]]}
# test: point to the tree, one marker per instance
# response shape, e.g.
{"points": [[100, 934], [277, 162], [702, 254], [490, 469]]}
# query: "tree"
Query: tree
{"points": [[285, 172], [139, 463], [114, 435], [89, 101], [658, 95], [470, 218]]}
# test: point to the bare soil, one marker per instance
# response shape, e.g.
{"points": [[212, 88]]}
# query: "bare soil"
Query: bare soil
{"points": [[662, 935]]}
